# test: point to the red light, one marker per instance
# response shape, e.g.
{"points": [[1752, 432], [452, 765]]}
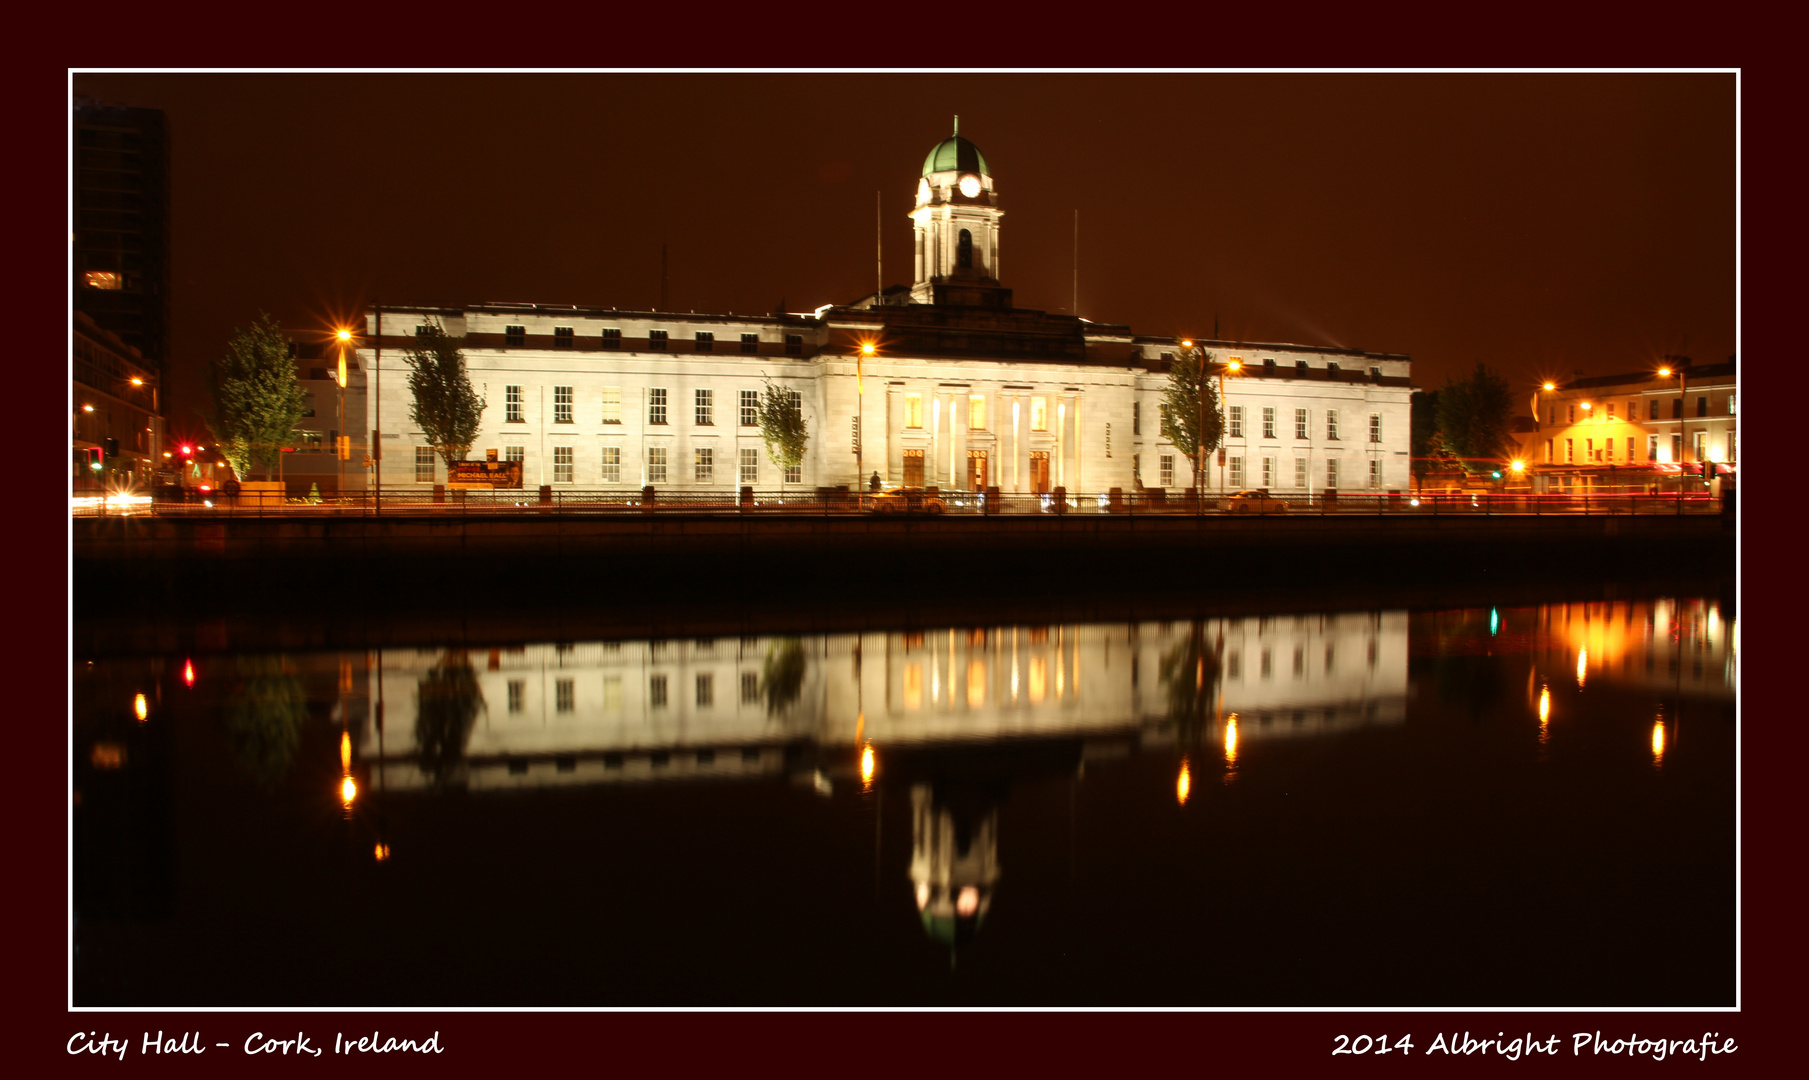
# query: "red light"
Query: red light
{"points": [[188, 672], [207, 487], [187, 450]]}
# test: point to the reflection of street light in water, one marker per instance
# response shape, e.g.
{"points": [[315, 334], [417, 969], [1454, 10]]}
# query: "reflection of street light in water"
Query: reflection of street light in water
{"points": [[1658, 741], [1231, 741], [866, 766], [1582, 666], [139, 707], [1183, 784]]}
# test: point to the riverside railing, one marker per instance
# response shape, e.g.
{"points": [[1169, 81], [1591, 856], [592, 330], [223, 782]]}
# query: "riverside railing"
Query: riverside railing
{"points": [[925, 503]]}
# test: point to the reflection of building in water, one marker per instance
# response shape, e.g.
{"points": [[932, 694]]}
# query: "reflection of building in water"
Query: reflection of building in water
{"points": [[1684, 646], [638, 710], [954, 861]]}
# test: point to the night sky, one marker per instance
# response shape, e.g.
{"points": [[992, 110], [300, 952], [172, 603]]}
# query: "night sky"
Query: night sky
{"points": [[1542, 224]]}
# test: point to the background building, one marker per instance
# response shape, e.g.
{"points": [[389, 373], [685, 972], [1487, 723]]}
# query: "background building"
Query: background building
{"points": [[121, 206], [115, 420], [1621, 430]]}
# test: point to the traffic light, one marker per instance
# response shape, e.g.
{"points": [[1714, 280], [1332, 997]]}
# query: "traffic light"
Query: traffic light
{"points": [[93, 456]]}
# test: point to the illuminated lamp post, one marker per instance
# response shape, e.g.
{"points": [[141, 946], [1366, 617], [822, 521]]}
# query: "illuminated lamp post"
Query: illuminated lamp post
{"points": [[344, 449], [1683, 446], [860, 423]]}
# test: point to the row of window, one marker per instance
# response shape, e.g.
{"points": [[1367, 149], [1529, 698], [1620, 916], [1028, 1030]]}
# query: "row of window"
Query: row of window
{"points": [[565, 337], [703, 404], [976, 412], [1602, 450], [1234, 464], [658, 692], [1302, 423], [703, 465], [1632, 413]]}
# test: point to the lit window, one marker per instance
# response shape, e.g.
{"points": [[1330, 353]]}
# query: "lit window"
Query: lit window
{"points": [[612, 464], [423, 464], [750, 408], [750, 467], [656, 464], [512, 404], [562, 464], [913, 410], [976, 412], [612, 404], [656, 405], [703, 464], [1039, 414], [704, 401], [101, 279], [562, 404]]}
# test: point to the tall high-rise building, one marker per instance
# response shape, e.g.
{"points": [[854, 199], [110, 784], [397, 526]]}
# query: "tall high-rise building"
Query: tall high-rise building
{"points": [[121, 179]]}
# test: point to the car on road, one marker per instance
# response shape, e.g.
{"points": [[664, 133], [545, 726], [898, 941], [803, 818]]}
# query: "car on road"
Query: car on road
{"points": [[1253, 501], [906, 501]]}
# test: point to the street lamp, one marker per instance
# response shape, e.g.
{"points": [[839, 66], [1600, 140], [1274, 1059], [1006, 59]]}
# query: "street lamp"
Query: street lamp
{"points": [[343, 450], [1234, 365], [860, 433]]}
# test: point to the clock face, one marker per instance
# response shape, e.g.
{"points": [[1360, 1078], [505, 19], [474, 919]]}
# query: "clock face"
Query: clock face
{"points": [[970, 185], [923, 191]]}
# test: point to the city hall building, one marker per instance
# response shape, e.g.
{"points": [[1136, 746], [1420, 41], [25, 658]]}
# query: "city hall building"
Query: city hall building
{"points": [[964, 391]]}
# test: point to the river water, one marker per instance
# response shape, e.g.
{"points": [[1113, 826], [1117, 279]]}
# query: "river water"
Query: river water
{"points": [[1488, 807]]}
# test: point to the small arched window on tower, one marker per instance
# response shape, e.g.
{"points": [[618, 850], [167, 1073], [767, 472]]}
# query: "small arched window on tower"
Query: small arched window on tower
{"points": [[964, 253]]}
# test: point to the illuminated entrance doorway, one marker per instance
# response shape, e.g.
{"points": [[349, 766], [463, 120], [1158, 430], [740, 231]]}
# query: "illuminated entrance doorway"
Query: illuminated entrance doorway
{"points": [[976, 470], [913, 468], [1039, 470]]}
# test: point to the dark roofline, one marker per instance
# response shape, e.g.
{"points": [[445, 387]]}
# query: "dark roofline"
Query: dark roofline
{"points": [[1259, 346], [1693, 373]]}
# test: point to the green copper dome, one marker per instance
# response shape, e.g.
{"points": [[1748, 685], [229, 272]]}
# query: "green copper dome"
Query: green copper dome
{"points": [[955, 154]]}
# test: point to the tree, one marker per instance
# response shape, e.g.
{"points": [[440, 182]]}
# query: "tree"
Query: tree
{"points": [[1181, 412], [446, 408], [782, 427], [1474, 418], [448, 699], [256, 397], [1430, 454]]}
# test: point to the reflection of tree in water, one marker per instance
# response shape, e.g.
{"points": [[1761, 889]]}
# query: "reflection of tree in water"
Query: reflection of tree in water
{"points": [[782, 677], [265, 715], [1472, 682], [449, 699], [1190, 671]]}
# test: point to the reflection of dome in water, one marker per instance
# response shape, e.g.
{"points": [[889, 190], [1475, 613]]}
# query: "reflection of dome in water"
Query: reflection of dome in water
{"points": [[954, 865]]}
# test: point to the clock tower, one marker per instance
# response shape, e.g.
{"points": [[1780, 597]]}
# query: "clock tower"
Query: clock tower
{"points": [[956, 221]]}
